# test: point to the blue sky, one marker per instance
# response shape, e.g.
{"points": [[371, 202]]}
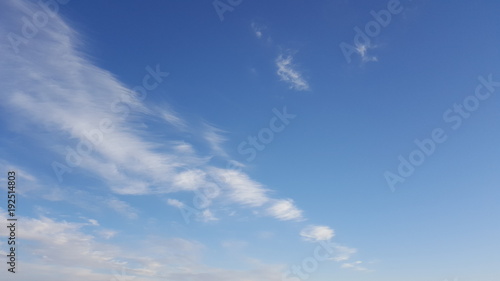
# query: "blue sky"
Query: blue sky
{"points": [[251, 140]]}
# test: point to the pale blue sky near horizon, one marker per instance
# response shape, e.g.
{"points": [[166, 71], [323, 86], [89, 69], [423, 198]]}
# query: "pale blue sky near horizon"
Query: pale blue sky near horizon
{"points": [[329, 130]]}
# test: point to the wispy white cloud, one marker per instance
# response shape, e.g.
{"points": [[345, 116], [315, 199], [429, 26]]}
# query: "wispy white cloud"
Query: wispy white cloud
{"points": [[67, 243], [190, 179], [355, 266], [175, 203], [71, 98], [285, 209], [77, 255], [343, 253], [207, 216], [30, 182], [203, 215], [107, 233], [213, 136], [122, 207], [316, 233], [93, 222], [287, 72], [239, 188], [233, 186], [171, 117]]}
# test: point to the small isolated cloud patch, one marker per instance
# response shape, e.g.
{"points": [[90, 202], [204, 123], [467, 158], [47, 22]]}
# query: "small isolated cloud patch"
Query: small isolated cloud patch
{"points": [[285, 210], [354, 265], [175, 203], [316, 233], [288, 73]]}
